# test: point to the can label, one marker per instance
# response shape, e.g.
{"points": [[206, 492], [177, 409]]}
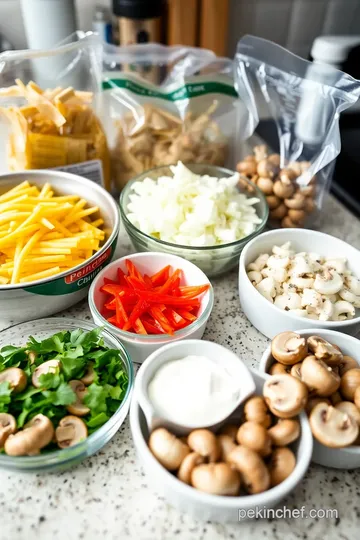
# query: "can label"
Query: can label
{"points": [[76, 280]]}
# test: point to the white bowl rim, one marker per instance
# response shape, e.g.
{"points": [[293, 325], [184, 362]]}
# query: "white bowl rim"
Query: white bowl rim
{"points": [[325, 324], [322, 332], [130, 337], [231, 502]]}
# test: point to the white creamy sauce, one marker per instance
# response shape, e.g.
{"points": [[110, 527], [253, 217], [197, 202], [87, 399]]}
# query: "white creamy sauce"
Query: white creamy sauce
{"points": [[193, 391]]}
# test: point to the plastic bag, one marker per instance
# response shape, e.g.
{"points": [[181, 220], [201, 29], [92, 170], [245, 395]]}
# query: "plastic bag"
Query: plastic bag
{"points": [[305, 100], [165, 104], [47, 104]]}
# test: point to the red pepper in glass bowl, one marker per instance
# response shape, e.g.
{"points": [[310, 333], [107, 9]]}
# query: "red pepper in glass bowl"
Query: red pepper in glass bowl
{"points": [[150, 299]]}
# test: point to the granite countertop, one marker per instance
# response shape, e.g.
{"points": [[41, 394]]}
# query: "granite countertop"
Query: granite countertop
{"points": [[109, 497]]}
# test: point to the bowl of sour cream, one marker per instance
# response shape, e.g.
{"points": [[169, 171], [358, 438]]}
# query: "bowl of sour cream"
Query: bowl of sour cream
{"points": [[191, 384]]}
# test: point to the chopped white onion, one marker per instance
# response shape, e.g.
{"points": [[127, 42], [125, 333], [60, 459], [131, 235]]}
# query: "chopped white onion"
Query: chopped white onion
{"points": [[192, 210]]}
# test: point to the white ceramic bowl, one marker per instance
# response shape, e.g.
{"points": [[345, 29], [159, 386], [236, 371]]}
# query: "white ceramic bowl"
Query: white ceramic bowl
{"points": [[213, 507], [341, 458], [140, 347], [271, 320], [218, 354]]}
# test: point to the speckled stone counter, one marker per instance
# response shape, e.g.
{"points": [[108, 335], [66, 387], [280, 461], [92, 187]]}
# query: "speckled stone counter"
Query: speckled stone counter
{"points": [[108, 497]]}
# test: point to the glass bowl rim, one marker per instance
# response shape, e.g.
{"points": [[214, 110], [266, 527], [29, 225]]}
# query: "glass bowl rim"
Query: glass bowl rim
{"points": [[258, 193], [62, 456], [149, 339]]}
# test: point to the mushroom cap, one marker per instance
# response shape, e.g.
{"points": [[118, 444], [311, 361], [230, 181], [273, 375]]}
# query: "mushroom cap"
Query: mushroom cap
{"points": [[284, 432], [253, 471], [7, 427], [254, 436], [247, 167], [332, 427], [265, 184], [289, 348], [357, 397], [325, 351], [36, 434], [296, 370], [267, 169], [205, 443], [226, 444], [349, 408], [285, 395], [282, 464], [282, 190], [188, 465], [230, 430], [319, 377], [350, 381], [168, 449], [78, 408], [216, 478], [70, 431], [51, 366], [89, 375], [346, 364], [16, 378], [313, 401], [255, 410], [335, 398], [296, 202]]}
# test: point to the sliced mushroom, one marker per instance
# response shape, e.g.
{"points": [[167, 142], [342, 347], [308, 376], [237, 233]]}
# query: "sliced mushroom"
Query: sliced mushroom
{"points": [[349, 408], [230, 430], [188, 465], [37, 434], [204, 442], [226, 444], [70, 431], [350, 381], [216, 478], [168, 449], [16, 378], [289, 348], [255, 410], [296, 371], [329, 282], [319, 377], [89, 375], [285, 396], [313, 401], [284, 432], [253, 471], [278, 369], [282, 464], [7, 427], [51, 366], [78, 408], [325, 351], [332, 427], [346, 364]]}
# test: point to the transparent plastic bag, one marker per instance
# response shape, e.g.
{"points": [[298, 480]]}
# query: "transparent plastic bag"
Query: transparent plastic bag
{"points": [[305, 100], [48, 100], [165, 104]]}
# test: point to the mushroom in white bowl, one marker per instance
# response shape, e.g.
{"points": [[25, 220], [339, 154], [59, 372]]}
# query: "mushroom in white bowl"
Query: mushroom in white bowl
{"points": [[331, 371]]}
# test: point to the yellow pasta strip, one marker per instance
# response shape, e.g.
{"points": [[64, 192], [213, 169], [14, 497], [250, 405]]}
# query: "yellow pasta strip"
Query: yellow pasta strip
{"points": [[9, 216], [44, 190], [41, 275], [27, 191], [97, 222], [15, 190], [24, 252], [61, 228], [9, 239], [4, 280], [51, 251], [47, 223]]}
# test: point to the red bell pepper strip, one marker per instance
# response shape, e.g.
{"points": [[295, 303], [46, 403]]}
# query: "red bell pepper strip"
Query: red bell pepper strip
{"points": [[151, 328], [192, 292], [133, 271], [139, 327], [111, 305], [121, 316], [187, 315], [174, 318], [148, 281], [161, 277], [121, 277], [162, 320], [155, 297], [171, 282], [108, 281], [138, 310]]}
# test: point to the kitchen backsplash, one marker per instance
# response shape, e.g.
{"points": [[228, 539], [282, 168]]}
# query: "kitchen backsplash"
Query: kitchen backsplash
{"points": [[291, 23]]}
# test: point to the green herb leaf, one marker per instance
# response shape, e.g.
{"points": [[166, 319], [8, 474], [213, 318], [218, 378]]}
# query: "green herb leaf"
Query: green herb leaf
{"points": [[95, 398], [5, 395], [98, 420], [54, 343], [64, 395], [49, 380], [72, 366]]}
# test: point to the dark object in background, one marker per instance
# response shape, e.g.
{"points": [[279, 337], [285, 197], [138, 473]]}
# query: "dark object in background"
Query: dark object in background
{"points": [[138, 21], [102, 23]]}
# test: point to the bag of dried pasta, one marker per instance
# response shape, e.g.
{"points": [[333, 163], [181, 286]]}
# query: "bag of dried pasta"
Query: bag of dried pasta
{"points": [[165, 104], [47, 104]]}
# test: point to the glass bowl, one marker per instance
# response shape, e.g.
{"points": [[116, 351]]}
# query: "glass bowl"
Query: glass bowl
{"points": [[213, 260], [62, 459]]}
